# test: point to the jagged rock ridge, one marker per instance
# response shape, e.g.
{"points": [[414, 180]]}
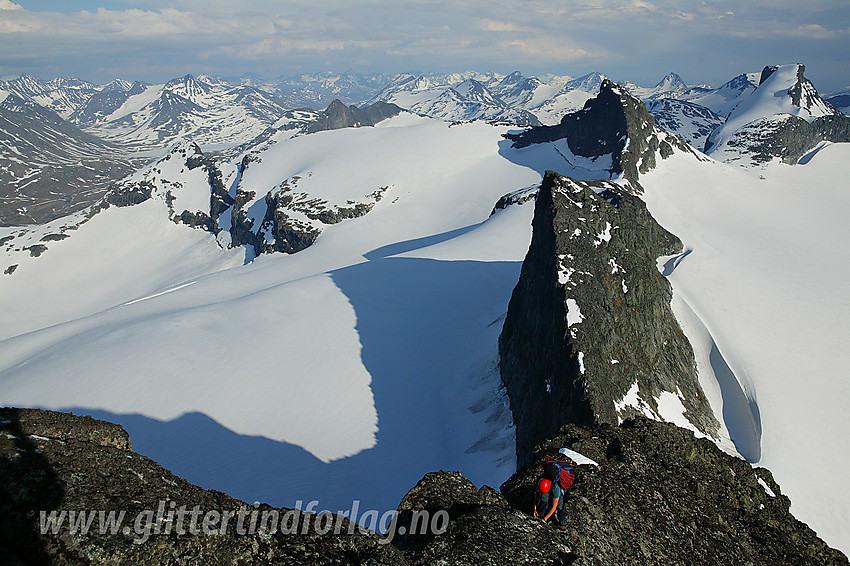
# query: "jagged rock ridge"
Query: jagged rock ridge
{"points": [[661, 496], [589, 336], [658, 496], [338, 115], [613, 124]]}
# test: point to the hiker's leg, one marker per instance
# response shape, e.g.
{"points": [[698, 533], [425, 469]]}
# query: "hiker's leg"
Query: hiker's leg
{"points": [[543, 506], [562, 511]]}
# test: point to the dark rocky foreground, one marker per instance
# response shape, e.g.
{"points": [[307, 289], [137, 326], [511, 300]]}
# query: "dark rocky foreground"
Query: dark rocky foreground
{"points": [[658, 496]]}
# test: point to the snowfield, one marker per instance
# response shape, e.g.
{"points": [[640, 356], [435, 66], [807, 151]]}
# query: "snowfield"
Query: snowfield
{"points": [[348, 370], [761, 294]]}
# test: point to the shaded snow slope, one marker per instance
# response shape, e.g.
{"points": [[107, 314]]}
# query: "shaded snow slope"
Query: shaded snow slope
{"points": [[375, 348], [765, 276]]}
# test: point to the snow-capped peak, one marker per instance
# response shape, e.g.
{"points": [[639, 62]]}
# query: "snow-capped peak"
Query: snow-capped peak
{"points": [[782, 90], [588, 83], [670, 83]]}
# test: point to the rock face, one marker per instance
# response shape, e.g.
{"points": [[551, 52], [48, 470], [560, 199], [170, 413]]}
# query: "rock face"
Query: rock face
{"points": [[288, 220], [189, 182], [785, 137], [614, 123], [589, 336], [338, 115], [658, 496]]}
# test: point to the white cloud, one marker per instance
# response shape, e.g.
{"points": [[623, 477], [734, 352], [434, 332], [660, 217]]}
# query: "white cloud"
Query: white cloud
{"points": [[492, 25], [573, 35], [549, 49]]}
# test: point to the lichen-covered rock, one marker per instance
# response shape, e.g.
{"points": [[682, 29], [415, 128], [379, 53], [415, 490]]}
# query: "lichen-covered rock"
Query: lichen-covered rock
{"points": [[449, 491], [589, 320], [477, 526], [662, 496], [658, 496], [66, 427], [60, 463], [434, 503], [496, 536]]}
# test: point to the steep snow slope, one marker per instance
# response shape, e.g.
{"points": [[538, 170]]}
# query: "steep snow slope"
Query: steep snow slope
{"points": [[783, 91], [375, 348], [761, 293], [727, 96]]}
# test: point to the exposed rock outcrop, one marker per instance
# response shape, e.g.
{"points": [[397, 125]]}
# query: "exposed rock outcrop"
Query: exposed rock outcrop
{"points": [[589, 336], [658, 496], [56, 462], [338, 115], [661, 496], [174, 180], [785, 137], [614, 124], [694, 123], [289, 220]]}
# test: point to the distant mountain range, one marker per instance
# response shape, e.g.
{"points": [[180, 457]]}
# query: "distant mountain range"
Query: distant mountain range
{"points": [[67, 139], [48, 166]]}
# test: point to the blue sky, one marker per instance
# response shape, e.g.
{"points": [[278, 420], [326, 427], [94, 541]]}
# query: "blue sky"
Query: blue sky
{"points": [[634, 40]]}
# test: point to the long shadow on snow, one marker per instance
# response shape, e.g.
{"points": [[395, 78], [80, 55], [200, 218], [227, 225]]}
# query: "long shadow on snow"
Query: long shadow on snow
{"points": [[427, 333]]}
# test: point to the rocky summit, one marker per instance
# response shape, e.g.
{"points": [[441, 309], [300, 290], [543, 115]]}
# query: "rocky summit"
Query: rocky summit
{"points": [[656, 495], [338, 115], [589, 322], [614, 123]]}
